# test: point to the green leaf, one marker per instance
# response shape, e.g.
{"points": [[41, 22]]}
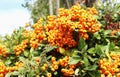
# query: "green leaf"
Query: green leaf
{"points": [[7, 62], [22, 59], [55, 73], [106, 32], [95, 73], [21, 75], [97, 35], [74, 60], [15, 73], [91, 67], [49, 48], [92, 59], [26, 53], [91, 51], [111, 46], [22, 70], [49, 57], [118, 33], [81, 44], [98, 49], [118, 43], [12, 57], [31, 73], [86, 61], [8, 75], [37, 70], [62, 50], [32, 63], [74, 52]]}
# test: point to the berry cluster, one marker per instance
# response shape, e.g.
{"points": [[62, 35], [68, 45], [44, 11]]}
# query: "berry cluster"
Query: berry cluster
{"points": [[5, 69], [62, 64], [3, 51], [37, 35], [20, 48], [60, 29], [111, 67]]}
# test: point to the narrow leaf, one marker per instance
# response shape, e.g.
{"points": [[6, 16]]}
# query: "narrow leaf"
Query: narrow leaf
{"points": [[91, 68], [49, 48], [98, 49], [81, 44], [74, 60], [8, 75], [86, 62]]}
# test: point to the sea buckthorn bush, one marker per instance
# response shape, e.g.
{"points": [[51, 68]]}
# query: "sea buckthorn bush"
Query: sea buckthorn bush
{"points": [[73, 43]]}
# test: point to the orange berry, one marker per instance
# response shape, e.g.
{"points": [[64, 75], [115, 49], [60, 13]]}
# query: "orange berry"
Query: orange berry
{"points": [[43, 68], [53, 59], [55, 67], [45, 65], [49, 75], [1, 75], [52, 69]]}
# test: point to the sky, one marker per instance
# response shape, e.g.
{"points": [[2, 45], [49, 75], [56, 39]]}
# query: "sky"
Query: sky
{"points": [[12, 15]]}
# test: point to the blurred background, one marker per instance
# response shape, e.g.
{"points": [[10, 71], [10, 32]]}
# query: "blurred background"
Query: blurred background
{"points": [[16, 13]]}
